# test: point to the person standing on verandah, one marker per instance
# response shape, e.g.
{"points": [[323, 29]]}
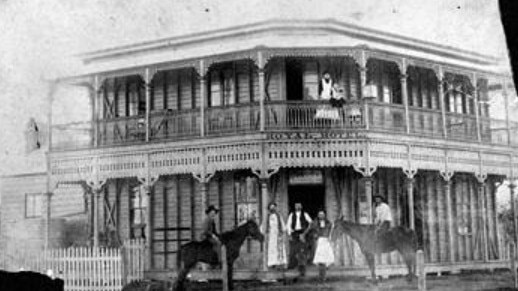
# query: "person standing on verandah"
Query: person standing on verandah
{"points": [[275, 242], [298, 223]]}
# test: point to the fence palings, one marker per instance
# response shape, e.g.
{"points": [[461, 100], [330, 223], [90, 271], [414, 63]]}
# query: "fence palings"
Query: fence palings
{"points": [[82, 268]]}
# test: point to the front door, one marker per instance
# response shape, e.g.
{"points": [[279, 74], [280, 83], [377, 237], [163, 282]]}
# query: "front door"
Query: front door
{"points": [[312, 197]]}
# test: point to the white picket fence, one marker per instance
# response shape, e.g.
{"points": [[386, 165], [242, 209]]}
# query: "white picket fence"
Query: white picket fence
{"points": [[82, 268]]}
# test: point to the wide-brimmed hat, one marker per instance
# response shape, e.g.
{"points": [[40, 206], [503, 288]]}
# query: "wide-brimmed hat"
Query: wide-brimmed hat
{"points": [[211, 208], [379, 196]]}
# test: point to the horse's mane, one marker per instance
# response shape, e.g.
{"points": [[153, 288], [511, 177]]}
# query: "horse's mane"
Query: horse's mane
{"points": [[231, 234]]}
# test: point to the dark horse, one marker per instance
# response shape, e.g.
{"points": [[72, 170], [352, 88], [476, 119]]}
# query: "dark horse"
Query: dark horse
{"points": [[399, 238], [194, 252]]}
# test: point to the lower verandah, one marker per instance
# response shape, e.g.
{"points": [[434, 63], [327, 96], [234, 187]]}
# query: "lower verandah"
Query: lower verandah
{"points": [[177, 211]]}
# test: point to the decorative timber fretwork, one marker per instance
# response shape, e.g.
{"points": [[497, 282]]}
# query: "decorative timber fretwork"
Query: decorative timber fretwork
{"points": [[410, 172], [122, 165], [399, 61], [229, 57], [366, 172], [233, 156], [315, 153], [353, 52], [446, 175], [138, 161], [428, 158], [176, 161], [463, 161], [387, 154]]}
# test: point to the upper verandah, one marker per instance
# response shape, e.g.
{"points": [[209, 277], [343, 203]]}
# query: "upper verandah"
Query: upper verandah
{"points": [[275, 33]]}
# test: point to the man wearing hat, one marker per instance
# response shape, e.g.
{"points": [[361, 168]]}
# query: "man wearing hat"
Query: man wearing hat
{"points": [[209, 232], [383, 217]]}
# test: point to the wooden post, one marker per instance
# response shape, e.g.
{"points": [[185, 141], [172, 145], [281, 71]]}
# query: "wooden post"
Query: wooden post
{"points": [[449, 215], [224, 268], [147, 184], [204, 201], [147, 87], [96, 105], [512, 188], [96, 192], [482, 213], [262, 92], [149, 219], [262, 117], [440, 90], [203, 98], [507, 111], [404, 95], [410, 194], [48, 217], [363, 83], [421, 272], [264, 214], [368, 195], [475, 102], [512, 259]]}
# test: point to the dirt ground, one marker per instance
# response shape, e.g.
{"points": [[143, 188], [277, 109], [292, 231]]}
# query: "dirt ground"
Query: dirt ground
{"points": [[498, 281]]}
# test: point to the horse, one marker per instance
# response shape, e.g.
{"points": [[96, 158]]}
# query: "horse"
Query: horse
{"points": [[194, 251], [399, 238]]}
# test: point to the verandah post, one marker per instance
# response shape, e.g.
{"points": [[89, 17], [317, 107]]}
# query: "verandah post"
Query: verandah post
{"points": [[449, 212]]}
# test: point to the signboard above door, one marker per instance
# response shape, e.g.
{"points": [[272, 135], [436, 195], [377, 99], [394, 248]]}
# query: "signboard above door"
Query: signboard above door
{"points": [[306, 176]]}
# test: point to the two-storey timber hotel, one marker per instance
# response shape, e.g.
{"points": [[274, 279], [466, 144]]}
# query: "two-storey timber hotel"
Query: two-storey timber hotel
{"points": [[230, 117]]}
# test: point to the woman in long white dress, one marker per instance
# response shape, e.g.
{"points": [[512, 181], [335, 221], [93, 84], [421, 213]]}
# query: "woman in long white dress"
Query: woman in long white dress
{"points": [[274, 231], [324, 255]]}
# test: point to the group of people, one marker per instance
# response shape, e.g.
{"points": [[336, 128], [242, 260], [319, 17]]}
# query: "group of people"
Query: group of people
{"points": [[329, 90], [299, 230]]}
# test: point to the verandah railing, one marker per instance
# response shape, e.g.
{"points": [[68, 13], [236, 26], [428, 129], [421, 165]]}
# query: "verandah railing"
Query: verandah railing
{"points": [[284, 115], [81, 268]]}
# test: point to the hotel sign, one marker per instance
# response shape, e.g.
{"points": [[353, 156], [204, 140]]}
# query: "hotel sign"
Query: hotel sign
{"points": [[306, 176], [314, 135]]}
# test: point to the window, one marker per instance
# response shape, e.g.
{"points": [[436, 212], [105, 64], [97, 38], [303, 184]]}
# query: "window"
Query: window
{"points": [[33, 205], [138, 210], [246, 191]]}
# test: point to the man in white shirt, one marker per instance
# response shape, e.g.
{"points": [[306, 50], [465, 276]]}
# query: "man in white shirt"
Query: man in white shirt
{"points": [[383, 218], [298, 222]]}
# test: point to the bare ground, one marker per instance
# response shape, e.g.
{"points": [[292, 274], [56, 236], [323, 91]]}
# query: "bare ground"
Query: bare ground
{"points": [[497, 281]]}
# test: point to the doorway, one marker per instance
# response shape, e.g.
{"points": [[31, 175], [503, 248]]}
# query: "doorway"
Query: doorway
{"points": [[312, 197], [294, 80]]}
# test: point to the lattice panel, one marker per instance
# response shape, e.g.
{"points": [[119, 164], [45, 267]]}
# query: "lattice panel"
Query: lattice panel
{"points": [[463, 161], [496, 164], [231, 157], [71, 169], [426, 158], [315, 153], [388, 154], [123, 165], [177, 161]]}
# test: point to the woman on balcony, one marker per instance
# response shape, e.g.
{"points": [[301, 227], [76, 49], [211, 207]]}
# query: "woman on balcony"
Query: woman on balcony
{"points": [[327, 90]]}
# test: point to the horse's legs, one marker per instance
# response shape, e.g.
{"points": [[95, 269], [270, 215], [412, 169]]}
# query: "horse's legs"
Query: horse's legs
{"points": [[230, 277], [409, 257], [178, 285], [372, 266]]}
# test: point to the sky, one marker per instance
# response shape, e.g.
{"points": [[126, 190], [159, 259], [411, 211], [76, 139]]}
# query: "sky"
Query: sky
{"points": [[41, 38]]}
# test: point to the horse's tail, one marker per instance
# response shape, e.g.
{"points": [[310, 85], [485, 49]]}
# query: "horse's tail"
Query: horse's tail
{"points": [[415, 241]]}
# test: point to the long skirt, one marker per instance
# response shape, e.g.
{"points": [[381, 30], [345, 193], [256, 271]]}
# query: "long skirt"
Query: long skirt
{"points": [[327, 112], [324, 253]]}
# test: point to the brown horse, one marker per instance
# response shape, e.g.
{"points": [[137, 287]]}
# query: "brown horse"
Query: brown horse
{"points": [[399, 238], [194, 251]]}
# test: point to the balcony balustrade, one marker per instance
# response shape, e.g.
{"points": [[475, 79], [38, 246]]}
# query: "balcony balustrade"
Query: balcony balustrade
{"points": [[283, 116], [175, 125]]}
